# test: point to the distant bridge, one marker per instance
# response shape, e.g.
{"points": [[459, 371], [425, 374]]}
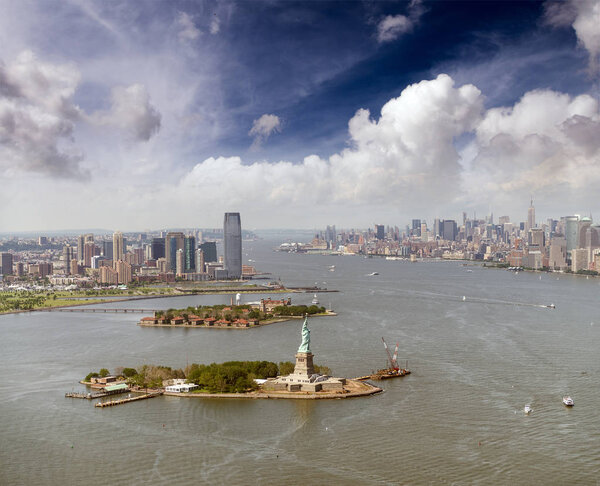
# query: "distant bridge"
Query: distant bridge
{"points": [[101, 310]]}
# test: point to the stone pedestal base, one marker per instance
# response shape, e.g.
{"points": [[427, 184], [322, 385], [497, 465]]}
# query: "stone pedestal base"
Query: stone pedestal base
{"points": [[304, 364]]}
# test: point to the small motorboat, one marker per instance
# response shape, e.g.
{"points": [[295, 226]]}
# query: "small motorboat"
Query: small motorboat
{"points": [[315, 301], [372, 274], [527, 409], [568, 401]]}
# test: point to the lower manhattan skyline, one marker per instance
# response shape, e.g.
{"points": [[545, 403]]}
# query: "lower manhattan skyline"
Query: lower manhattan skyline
{"points": [[140, 115]]}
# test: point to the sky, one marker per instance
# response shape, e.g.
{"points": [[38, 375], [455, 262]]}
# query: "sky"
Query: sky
{"points": [[138, 115]]}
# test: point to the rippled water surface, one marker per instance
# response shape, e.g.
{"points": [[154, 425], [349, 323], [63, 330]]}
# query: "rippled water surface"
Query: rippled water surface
{"points": [[458, 419]]}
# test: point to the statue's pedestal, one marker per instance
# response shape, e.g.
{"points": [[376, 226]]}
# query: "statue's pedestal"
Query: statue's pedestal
{"points": [[304, 364]]}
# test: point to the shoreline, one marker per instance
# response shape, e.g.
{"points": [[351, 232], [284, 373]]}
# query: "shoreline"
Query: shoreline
{"points": [[262, 324], [354, 389], [109, 299]]}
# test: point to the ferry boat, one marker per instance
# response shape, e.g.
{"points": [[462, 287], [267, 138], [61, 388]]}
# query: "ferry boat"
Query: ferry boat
{"points": [[568, 401]]}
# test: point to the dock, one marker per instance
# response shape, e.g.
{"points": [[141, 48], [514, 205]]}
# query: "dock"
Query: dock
{"points": [[127, 400], [98, 309], [91, 396]]}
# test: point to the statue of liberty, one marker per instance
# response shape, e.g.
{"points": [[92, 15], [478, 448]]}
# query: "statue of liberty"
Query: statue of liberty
{"points": [[305, 346]]}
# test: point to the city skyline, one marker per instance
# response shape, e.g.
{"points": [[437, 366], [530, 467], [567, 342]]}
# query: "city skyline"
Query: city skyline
{"points": [[140, 115]]}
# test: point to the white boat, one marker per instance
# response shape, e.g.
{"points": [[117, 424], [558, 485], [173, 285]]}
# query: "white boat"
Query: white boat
{"points": [[315, 301], [527, 409], [568, 401], [372, 274]]}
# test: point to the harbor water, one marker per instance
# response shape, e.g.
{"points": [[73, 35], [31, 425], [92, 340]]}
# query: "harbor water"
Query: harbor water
{"points": [[480, 344]]}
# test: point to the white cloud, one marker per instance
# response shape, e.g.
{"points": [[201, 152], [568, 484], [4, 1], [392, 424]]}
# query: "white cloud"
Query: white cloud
{"points": [[405, 156], [37, 118], [132, 111], [263, 127], [215, 25], [584, 17], [545, 141], [393, 26], [187, 29]]}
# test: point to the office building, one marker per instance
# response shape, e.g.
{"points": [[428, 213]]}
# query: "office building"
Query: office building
{"points": [[189, 254], [579, 259], [536, 237], [209, 248], [89, 251], [109, 276], [80, 243], [571, 224], [200, 261], [173, 241], [67, 257], [19, 269], [158, 248], [124, 272], [530, 218], [232, 240], [449, 230], [118, 248], [416, 227], [179, 263], [107, 249], [379, 231], [6, 263]]}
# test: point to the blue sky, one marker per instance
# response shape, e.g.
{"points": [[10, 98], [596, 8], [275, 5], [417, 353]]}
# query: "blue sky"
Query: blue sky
{"points": [[151, 114]]}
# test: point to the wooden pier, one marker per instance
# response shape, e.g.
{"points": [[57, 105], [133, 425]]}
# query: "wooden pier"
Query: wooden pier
{"points": [[127, 400], [100, 309], [91, 396]]}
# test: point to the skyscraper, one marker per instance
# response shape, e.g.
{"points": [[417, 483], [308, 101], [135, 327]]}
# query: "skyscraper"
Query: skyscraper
{"points": [[179, 262], [80, 243], [107, 249], [158, 248], [209, 249], [379, 231], [449, 230], [173, 241], [6, 263], [530, 217], [118, 249], [232, 238], [189, 247], [199, 261], [571, 224], [416, 227]]}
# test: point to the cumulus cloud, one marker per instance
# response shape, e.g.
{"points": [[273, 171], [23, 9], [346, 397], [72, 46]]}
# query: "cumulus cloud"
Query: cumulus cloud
{"points": [[393, 26], [407, 157], [584, 17], [187, 29], [132, 111], [37, 118], [263, 127], [546, 140]]}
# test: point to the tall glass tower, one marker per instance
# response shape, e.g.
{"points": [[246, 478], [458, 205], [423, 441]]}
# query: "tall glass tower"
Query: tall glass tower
{"points": [[232, 236]]}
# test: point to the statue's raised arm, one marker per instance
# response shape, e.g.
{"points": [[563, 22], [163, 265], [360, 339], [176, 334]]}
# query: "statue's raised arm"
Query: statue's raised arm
{"points": [[305, 346]]}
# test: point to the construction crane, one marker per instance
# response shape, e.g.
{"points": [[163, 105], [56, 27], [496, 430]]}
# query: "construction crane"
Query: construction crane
{"points": [[393, 359]]}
